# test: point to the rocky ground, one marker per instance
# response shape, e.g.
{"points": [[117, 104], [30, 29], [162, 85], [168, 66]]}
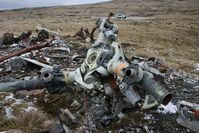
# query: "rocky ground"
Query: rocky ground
{"points": [[168, 30]]}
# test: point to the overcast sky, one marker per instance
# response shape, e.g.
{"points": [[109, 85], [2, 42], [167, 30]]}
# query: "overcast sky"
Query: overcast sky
{"points": [[13, 4]]}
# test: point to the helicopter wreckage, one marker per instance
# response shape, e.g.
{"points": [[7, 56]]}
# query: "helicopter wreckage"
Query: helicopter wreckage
{"points": [[107, 82]]}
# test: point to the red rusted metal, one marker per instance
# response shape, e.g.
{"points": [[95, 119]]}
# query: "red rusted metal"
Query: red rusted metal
{"points": [[25, 50]]}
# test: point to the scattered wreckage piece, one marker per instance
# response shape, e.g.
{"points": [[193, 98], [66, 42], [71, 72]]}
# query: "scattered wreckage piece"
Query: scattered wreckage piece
{"points": [[21, 63], [42, 35], [120, 15], [23, 37], [83, 33], [25, 50], [52, 32], [45, 33], [107, 79], [35, 62], [151, 64], [92, 39], [188, 115], [15, 64]]}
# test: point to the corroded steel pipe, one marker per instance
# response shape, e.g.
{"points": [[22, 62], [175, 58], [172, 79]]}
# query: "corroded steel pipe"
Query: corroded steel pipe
{"points": [[22, 51]]}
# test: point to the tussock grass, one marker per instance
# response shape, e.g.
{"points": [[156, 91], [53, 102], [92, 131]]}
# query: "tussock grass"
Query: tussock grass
{"points": [[27, 122]]}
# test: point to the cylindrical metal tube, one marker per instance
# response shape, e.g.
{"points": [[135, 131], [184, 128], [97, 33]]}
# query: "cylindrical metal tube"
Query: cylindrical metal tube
{"points": [[132, 96], [21, 85], [154, 89]]}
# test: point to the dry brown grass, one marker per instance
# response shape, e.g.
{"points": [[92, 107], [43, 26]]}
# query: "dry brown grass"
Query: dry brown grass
{"points": [[171, 34], [27, 122]]}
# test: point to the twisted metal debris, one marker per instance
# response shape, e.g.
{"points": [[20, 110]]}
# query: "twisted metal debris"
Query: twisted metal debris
{"points": [[110, 81]]}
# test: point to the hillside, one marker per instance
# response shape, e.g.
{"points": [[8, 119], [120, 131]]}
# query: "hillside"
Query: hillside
{"points": [[165, 29]]}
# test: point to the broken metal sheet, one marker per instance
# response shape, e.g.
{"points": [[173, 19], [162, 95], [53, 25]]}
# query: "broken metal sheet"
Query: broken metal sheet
{"points": [[147, 67], [55, 33], [61, 49], [68, 113], [59, 42], [60, 128], [188, 115], [47, 59], [36, 63], [75, 103], [170, 108], [15, 45], [192, 105], [120, 15], [16, 64], [153, 65]]}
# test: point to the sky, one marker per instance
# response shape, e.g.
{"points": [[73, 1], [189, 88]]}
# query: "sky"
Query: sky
{"points": [[14, 4]]}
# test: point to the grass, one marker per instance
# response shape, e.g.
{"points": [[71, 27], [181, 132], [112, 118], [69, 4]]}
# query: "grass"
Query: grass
{"points": [[172, 33], [27, 122]]}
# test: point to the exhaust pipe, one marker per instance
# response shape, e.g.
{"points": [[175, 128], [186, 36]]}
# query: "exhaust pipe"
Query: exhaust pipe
{"points": [[152, 88]]}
